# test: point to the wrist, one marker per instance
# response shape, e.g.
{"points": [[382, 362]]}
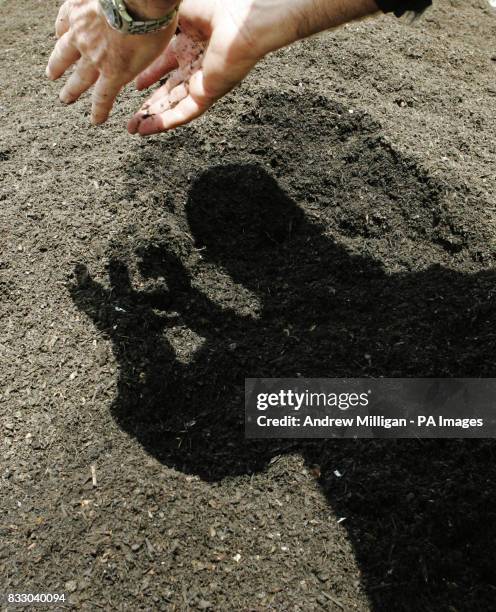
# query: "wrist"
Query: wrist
{"points": [[149, 9]]}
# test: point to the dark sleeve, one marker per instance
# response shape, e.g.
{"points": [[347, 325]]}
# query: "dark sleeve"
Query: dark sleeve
{"points": [[399, 7]]}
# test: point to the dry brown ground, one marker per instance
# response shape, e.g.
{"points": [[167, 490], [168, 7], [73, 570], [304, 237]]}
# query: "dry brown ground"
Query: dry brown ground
{"points": [[141, 281]]}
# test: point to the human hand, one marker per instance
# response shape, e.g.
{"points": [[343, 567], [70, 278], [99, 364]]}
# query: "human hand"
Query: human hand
{"points": [[103, 57], [219, 43]]}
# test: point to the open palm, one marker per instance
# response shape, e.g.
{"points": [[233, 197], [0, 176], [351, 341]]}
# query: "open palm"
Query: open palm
{"points": [[218, 43]]}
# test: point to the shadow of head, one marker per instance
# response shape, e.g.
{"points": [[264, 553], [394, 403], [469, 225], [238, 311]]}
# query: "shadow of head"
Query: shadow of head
{"points": [[265, 289], [240, 211], [320, 311]]}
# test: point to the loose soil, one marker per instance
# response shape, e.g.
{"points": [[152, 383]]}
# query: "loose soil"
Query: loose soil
{"points": [[335, 216]]}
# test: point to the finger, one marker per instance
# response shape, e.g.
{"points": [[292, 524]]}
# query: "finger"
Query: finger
{"points": [[162, 92], [80, 81], [160, 95], [120, 279], [187, 110], [169, 100], [162, 100], [104, 96], [62, 21], [81, 273], [157, 69], [64, 55], [134, 122]]}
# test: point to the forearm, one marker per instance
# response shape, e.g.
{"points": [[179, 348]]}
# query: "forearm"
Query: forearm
{"points": [[273, 24], [313, 16]]}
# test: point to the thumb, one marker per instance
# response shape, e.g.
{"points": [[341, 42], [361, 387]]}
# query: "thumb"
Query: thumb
{"points": [[222, 70]]}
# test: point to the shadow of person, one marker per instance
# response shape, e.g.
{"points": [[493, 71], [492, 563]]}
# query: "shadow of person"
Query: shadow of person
{"points": [[289, 301]]}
